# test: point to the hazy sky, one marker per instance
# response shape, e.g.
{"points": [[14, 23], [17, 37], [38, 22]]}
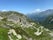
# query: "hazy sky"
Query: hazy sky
{"points": [[26, 6]]}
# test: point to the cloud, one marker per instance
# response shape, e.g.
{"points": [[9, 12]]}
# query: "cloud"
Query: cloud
{"points": [[37, 10], [3, 10]]}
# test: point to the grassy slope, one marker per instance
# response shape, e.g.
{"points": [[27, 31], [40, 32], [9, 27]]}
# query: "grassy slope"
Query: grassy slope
{"points": [[3, 34]]}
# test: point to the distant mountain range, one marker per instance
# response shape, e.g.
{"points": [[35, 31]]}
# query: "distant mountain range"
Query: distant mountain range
{"points": [[43, 17]]}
